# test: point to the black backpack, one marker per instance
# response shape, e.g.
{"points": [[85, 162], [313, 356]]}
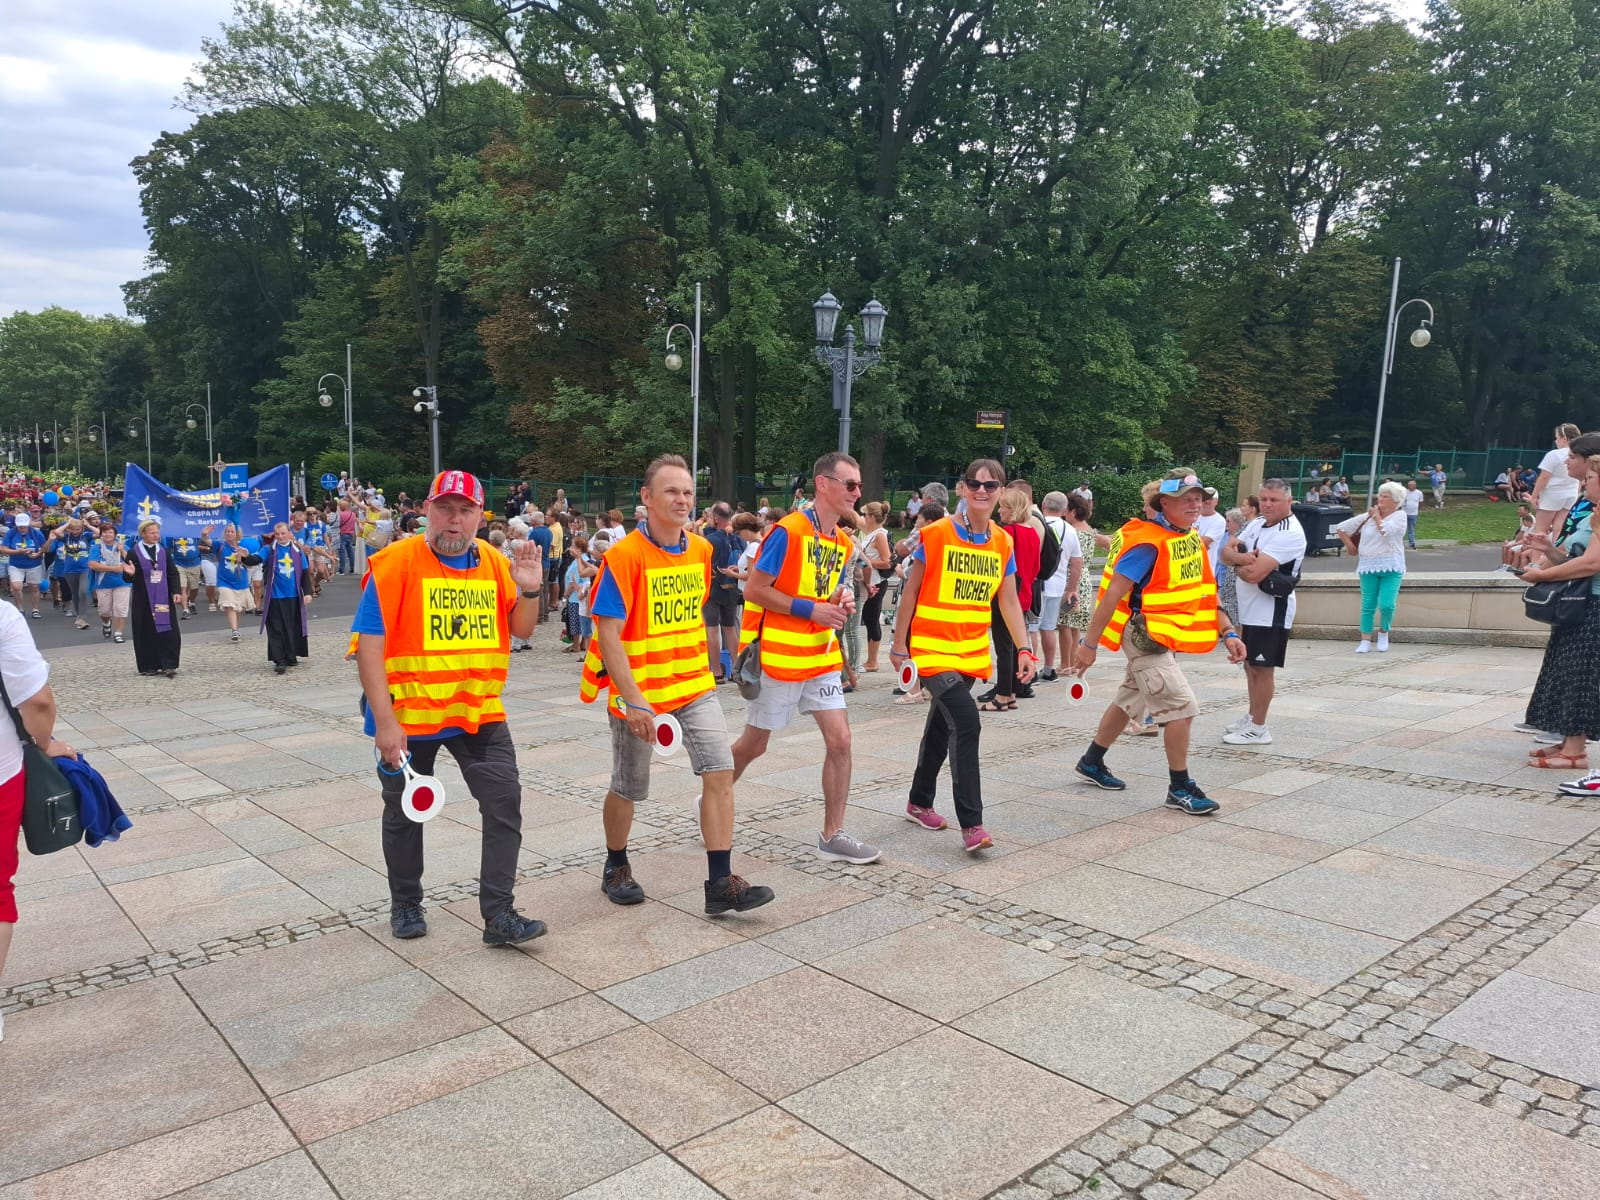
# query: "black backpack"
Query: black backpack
{"points": [[1049, 552]]}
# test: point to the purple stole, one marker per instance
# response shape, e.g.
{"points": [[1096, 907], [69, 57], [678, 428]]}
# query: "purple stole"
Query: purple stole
{"points": [[157, 585]]}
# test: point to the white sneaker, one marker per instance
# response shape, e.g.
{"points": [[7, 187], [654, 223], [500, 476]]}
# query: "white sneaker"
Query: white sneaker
{"points": [[1363, 647], [1589, 785], [1242, 723], [1250, 735], [1383, 643]]}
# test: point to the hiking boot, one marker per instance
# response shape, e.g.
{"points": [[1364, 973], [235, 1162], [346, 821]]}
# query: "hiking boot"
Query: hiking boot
{"points": [[1097, 774], [841, 847], [1187, 797], [406, 920], [620, 886], [510, 927], [925, 817], [734, 893]]}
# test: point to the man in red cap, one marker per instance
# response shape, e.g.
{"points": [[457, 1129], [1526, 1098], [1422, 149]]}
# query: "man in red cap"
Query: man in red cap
{"points": [[434, 628]]}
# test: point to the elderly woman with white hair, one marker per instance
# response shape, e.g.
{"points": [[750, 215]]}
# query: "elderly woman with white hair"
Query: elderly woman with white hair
{"points": [[1378, 540]]}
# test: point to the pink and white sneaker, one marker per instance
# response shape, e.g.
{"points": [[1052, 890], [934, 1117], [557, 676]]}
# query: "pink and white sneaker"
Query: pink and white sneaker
{"points": [[975, 839], [925, 817]]}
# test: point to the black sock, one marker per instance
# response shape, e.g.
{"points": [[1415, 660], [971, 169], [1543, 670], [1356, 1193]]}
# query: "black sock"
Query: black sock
{"points": [[1178, 777], [1095, 755], [719, 864], [616, 858]]}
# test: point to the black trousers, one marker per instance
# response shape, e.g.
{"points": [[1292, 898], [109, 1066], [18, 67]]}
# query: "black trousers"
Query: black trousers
{"points": [[1005, 655], [953, 730], [872, 613], [488, 761]]}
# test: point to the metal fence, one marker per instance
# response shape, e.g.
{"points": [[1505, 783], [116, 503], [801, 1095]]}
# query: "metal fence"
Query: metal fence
{"points": [[1466, 468]]}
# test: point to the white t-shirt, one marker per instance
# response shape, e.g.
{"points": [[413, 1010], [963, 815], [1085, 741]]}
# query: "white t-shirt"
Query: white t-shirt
{"points": [[1083, 493], [1560, 490], [25, 672], [1056, 585], [1214, 529], [1285, 543], [747, 561], [1413, 502]]}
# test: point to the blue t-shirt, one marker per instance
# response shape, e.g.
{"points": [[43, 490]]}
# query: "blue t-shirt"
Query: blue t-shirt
{"points": [[369, 619], [231, 573], [541, 537], [252, 543], [315, 533], [608, 601], [285, 578], [103, 553], [72, 552], [185, 551], [25, 546]]}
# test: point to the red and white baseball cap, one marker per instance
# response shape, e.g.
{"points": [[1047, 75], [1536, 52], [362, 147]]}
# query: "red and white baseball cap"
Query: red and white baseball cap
{"points": [[457, 483]]}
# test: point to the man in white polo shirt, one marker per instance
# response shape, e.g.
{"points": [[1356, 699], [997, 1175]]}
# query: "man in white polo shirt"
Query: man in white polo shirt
{"points": [[1267, 556]]}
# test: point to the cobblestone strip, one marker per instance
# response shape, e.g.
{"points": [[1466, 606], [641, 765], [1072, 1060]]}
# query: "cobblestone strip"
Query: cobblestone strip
{"points": [[1182, 1139]]}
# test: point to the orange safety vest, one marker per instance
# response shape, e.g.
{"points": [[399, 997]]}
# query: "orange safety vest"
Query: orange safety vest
{"points": [[796, 648], [1179, 601], [960, 580], [664, 633], [446, 641]]}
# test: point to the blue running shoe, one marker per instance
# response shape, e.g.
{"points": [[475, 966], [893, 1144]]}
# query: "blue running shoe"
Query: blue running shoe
{"points": [[1187, 797], [1099, 776]]}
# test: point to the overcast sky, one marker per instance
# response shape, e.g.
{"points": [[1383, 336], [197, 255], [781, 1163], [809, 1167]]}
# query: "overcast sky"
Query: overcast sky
{"points": [[84, 89]]}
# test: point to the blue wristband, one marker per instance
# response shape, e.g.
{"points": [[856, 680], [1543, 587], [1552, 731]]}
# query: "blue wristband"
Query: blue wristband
{"points": [[1229, 634], [802, 608]]}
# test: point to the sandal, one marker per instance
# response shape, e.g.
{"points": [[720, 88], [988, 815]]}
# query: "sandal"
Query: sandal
{"points": [[1561, 762], [998, 706]]}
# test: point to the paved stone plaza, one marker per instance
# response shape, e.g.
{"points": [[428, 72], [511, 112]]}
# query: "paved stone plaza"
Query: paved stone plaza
{"points": [[1376, 974]]}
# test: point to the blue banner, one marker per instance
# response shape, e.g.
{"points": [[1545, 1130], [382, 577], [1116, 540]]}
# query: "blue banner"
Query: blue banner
{"points": [[254, 509]]}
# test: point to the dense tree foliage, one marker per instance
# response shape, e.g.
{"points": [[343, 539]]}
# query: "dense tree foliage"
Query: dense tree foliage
{"points": [[1148, 228]]}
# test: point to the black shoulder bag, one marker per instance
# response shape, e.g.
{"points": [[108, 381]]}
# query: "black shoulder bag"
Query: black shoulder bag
{"points": [[1558, 602], [51, 817]]}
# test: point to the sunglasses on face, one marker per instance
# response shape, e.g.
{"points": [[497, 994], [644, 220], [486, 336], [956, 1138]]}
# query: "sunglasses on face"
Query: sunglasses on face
{"points": [[982, 485], [1171, 487], [849, 485]]}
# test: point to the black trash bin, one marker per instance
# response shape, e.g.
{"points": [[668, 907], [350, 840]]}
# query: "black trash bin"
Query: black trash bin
{"points": [[1318, 521]]}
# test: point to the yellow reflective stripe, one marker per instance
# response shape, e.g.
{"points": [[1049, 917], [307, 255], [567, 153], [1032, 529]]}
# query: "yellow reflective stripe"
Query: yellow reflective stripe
{"points": [[668, 669], [413, 688], [691, 639], [1176, 596], [932, 664], [1204, 617], [435, 716], [796, 662], [932, 645], [688, 689], [798, 641], [406, 664], [946, 615]]}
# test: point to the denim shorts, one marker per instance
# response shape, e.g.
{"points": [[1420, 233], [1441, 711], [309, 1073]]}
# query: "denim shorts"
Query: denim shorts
{"points": [[705, 738]]}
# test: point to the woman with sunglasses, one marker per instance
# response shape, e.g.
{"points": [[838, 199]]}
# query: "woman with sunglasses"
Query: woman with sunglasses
{"points": [[962, 566]]}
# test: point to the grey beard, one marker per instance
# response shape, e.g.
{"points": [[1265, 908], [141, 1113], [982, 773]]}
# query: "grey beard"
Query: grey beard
{"points": [[450, 543]]}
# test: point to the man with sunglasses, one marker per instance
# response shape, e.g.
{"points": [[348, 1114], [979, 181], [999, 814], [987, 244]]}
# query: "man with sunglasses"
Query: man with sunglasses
{"points": [[1158, 596], [798, 583]]}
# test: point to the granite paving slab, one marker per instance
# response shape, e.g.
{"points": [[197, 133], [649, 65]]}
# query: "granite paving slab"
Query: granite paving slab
{"points": [[1106, 1033], [1546, 1025], [927, 1112], [585, 1018], [813, 940], [288, 1177], [1389, 1136], [659, 1178], [1499, 856], [1209, 866], [1251, 1181], [1517, 818], [769, 1155], [177, 910], [687, 983], [1118, 902], [1305, 818]]}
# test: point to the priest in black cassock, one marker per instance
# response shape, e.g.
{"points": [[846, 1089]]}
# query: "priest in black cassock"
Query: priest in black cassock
{"points": [[283, 616], [152, 617]]}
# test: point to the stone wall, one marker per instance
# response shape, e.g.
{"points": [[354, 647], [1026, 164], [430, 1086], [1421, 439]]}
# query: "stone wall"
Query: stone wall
{"points": [[1464, 608]]}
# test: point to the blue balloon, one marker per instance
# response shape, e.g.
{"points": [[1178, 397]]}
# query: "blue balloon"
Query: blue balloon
{"points": [[66, 489], [50, 499]]}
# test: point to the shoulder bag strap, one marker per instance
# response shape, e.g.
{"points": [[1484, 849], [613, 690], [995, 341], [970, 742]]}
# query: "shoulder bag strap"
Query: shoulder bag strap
{"points": [[23, 735]]}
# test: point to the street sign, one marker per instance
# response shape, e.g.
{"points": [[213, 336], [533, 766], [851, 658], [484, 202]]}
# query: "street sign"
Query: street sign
{"points": [[992, 420], [329, 481], [235, 477]]}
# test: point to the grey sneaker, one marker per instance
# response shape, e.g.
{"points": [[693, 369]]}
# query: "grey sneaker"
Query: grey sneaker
{"points": [[841, 847]]}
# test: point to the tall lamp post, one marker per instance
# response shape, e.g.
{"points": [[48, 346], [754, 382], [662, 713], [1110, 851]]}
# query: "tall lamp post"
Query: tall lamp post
{"points": [[674, 362], [97, 433], [428, 401], [324, 399], [1420, 337], [133, 431], [843, 361], [188, 419]]}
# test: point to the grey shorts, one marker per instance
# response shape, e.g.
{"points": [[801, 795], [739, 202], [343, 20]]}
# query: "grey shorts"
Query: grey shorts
{"points": [[1050, 611], [705, 738]]}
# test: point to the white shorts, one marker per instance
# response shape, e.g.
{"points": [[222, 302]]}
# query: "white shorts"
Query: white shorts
{"points": [[26, 575], [780, 699], [1555, 504], [235, 598], [255, 573], [208, 572]]}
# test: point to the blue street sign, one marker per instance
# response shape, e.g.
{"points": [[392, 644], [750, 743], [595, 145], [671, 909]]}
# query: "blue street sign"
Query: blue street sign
{"points": [[329, 481], [236, 477]]}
